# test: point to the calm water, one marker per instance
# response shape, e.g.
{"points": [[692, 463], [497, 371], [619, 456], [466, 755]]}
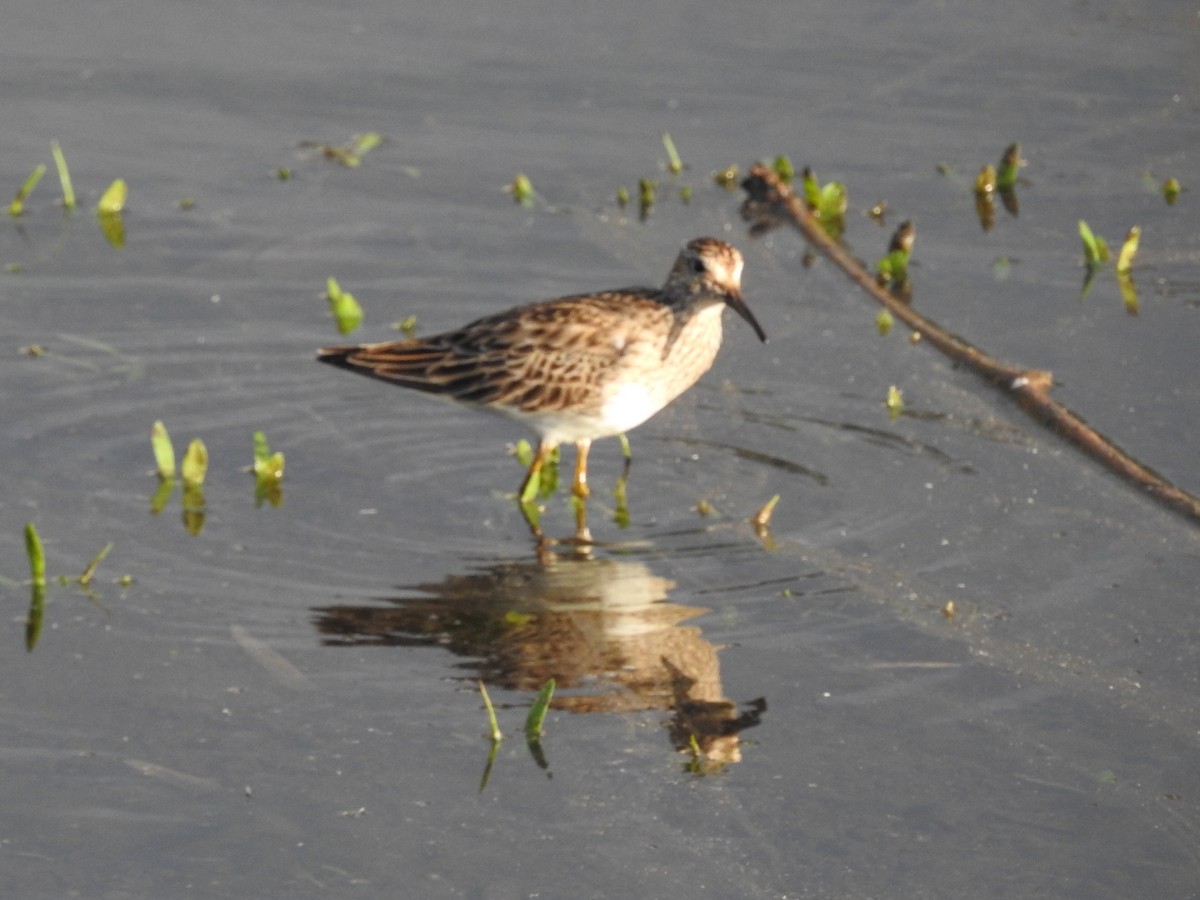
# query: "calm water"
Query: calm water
{"points": [[284, 703]]}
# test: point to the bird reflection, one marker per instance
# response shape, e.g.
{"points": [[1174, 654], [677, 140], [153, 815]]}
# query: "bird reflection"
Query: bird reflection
{"points": [[602, 628]]}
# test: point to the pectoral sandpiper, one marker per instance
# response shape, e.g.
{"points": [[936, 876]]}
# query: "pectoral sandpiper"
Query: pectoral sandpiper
{"points": [[577, 368]]}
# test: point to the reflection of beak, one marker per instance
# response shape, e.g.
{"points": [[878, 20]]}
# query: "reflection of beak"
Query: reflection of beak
{"points": [[734, 299]]}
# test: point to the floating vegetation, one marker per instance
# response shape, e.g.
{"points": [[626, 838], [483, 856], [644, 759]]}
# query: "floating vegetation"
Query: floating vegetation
{"points": [[647, 191], [1171, 190], [894, 402], [761, 520], [108, 212], [828, 204], [1010, 166], [522, 190], [349, 155], [622, 196], [674, 163], [892, 270], [544, 482], [64, 176], [193, 470], [342, 305], [37, 570], [406, 326], [112, 201], [36, 553], [784, 169], [1129, 250], [1095, 249], [494, 732], [268, 472], [17, 207], [537, 711], [195, 464], [164, 452], [884, 321], [728, 177]]}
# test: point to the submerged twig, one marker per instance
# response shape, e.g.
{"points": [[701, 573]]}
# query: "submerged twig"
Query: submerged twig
{"points": [[770, 202]]}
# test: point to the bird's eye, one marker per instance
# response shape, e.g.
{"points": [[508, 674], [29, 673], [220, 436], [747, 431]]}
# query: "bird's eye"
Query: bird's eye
{"points": [[698, 265]]}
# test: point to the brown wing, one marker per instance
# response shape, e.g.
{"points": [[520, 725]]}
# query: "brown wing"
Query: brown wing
{"points": [[546, 357]]}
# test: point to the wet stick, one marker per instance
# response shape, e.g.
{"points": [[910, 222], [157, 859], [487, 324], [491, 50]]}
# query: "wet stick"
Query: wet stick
{"points": [[770, 203]]}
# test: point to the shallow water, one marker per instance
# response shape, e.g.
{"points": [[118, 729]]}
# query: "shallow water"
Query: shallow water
{"points": [[284, 704]]}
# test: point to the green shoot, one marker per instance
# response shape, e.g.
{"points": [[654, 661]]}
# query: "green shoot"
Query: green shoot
{"points": [[495, 733], [1128, 250], [365, 143], [884, 322], [1010, 165], [894, 402], [674, 163], [622, 196], [893, 268], [86, 578], [37, 555], [647, 189], [406, 326], [784, 169], [17, 207], [344, 308], [164, 452], [522, 190], [64, 176], [112, 201], [1095, 250], [537, 712], [523, 451], [985, 182], [268, 466], [727, 177], [195, 464], [761, 520], [1171, 189]]}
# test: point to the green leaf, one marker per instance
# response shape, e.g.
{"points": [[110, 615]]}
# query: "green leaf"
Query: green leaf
{"points": [[1129, 250], [784, 169], [86, 578], [195, 464], [1010, 165], [728, 177], [674, 163], [365, 143], [164, 452], [36, 554], [17, 207], [64, 176], [112, 201], [522, 190], [1095, 250], [262, 450], [884, 322], [647, 189], [895, 402], [494, 731], [537, 712], [346, 311]]}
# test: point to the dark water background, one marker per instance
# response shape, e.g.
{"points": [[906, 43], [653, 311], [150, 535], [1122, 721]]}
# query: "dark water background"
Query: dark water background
{"points": [[284, 705]]}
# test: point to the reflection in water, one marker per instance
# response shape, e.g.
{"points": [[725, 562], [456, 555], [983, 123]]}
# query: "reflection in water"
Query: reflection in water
{"points": [[602, 628]]}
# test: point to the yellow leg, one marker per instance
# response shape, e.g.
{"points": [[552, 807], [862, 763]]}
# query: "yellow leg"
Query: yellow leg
{"points": [[580, 487]]}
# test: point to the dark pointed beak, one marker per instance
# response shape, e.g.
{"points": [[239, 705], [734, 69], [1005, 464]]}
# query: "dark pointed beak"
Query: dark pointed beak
{"points": [[734, 300]]}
